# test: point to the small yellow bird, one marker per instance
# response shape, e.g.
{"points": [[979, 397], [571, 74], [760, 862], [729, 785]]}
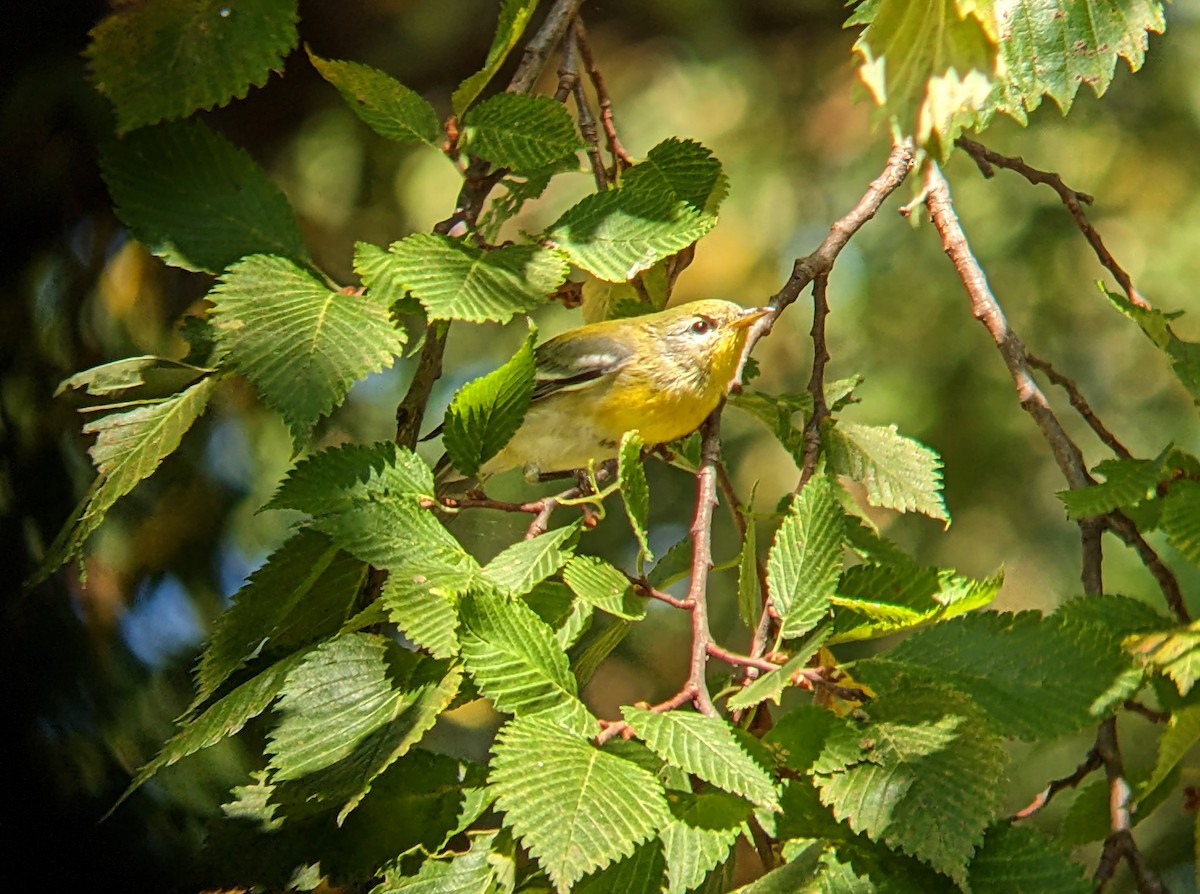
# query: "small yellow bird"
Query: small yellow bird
{"points": [[661, 373]]}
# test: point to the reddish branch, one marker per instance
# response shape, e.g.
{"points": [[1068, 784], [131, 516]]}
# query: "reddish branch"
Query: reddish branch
{"points": [[616, 150], [701, 531], [1074, 200]]}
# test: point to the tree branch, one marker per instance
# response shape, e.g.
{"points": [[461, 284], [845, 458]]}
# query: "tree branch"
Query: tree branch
{"points": [[1120, 844], [816, 382], [1074, 200], [615, 149], [1081, 405], [477, 185], [701, 530], [821, 261], [1090, 764], [986, 309]]}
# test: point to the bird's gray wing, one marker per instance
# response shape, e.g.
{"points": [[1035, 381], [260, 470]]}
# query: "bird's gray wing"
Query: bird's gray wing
{"points": [[565, 365]]}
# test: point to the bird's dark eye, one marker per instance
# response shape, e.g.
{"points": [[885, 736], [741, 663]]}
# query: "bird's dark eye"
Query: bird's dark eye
{"points": [[701, 326]]}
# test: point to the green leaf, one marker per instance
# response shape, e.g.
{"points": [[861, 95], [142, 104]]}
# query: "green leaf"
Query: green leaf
{"points": [[635, 492], [486, 412], [368, 499], [134, 378], [705, 747], [519, 189], [576, 808], [302, 344], [352, 707], [129, 447], [305, 590], [875, 600], [749, 599], [427, 616], [618, 233], [1175, 653], [516, 662], [523, 565], [1185, 356], [674, 565], [806, 559], [1126, 482], [1021, 860], [1180, 519], [596, 649], [387, 106], [897, 472], [520, 132], [220, 720], [1051, 49], [684, 170], [776, 412], [1179, 739], [1034, 677], [797, 737], [700, 836], [640, 873], [456, 280], [488, 867], [924, 774], [930, 67], [377, 270], [771, 685], [514, 16], [196, 200], [554, 603], [604, 586], [158, 59]]}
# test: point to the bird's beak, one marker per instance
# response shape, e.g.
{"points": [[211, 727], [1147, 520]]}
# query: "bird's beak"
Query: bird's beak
{"points": [[750, 316]]}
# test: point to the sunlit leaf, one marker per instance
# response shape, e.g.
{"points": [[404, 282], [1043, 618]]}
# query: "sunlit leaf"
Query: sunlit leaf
{"points": [[196, 200], [159, 59]]}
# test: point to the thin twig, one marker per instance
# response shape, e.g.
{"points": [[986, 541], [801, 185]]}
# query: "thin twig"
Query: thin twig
{"points": [[1124, 528], [1136, 707], [620, 157], [820, 262], [477, 185], [733, 658], [537, 51], [1081, 405], [610, 728], [806, 269], [1090, 764], [569, 78], [816, 382], [1073, 199]]}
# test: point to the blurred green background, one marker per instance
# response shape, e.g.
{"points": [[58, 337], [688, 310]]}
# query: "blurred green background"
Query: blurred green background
{"points": [[97, 673]]}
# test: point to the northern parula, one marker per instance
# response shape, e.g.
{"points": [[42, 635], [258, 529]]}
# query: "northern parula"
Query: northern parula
{"points": [[661, 373]]}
